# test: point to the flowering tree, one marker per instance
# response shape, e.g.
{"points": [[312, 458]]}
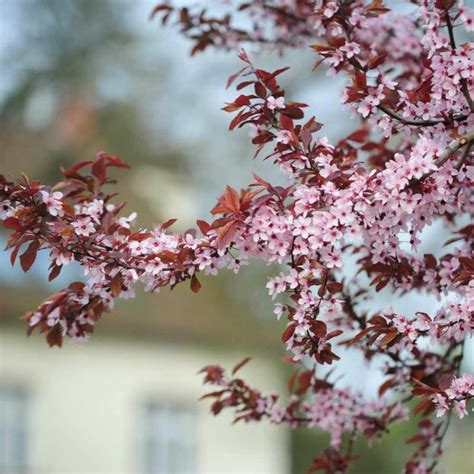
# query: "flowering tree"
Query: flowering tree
{"points": [[407, 165]]}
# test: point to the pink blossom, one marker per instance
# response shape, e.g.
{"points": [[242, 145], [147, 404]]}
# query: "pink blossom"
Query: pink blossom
{"points": [[351, 49], [283, 136], [331, 9], [53, 202], [6, 210], [83, 226], [275, 103]]}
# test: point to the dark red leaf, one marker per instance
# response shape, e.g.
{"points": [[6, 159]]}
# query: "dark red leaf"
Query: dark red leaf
{"points": [[99, 170], [55, 271], [11, 223], [293, 112], [195, 284], [235, 76], [116, 285], [168, 223], [238, 366], [28, 258], [289, 331], [55, 336], [204, 227]]}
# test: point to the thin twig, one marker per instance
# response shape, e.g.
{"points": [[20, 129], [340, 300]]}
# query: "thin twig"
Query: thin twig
{"points": [[418, 123], [440, 439], [283, 12], [452, 148], [463, 82], [464, 156]]}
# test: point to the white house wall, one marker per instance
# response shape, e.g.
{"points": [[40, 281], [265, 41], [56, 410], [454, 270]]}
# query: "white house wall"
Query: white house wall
{"points": [[85, 406]]}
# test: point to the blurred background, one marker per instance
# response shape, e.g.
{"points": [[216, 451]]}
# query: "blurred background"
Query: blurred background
{"points": [[79, 76]]}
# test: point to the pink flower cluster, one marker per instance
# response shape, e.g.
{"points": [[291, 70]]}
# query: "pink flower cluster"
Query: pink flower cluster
{"points": [[456, 396], [365, 202], [332, 410]]}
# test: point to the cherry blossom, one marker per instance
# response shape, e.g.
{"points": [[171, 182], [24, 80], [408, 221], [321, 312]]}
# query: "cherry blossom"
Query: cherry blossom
{"points": [[53, 202], [352, 218], [275, 103], [83, 226]]}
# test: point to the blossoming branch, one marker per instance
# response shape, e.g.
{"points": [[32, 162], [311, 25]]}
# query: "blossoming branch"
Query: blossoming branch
{"points": [[407, 164]]}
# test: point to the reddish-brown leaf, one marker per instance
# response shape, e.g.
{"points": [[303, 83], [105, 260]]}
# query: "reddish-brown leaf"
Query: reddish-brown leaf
{"points": [[72, 172], [159, 8], [425, 405], [116, 285], [289, 331], [195, 284], [55, 337], [168, 223], [334, 287], [29, 256], [99, 170], [318, 328], [260, 90], [386, 385], [293, 112], [360, 335], [233, 77], [388, 338], [204, 227], [445, 381], [238, 366], [304, 381], [11, 223], [467, 263], [55, 271]]}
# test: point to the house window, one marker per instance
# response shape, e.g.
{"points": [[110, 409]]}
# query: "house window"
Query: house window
{"points": [[169, 440], [13, 442]]}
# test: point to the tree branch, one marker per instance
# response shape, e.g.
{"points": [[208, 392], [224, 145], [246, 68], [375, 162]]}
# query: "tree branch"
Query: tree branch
{"points": [[463, 81], [464, 156], [283, 12], [418, 123], [453, 147]]}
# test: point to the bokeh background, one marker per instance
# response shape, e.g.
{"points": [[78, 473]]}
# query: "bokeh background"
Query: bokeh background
{"points": [[79, 76]]}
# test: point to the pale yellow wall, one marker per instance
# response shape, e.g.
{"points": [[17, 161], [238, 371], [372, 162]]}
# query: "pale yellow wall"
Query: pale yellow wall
{"points": [[85, 406]]}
